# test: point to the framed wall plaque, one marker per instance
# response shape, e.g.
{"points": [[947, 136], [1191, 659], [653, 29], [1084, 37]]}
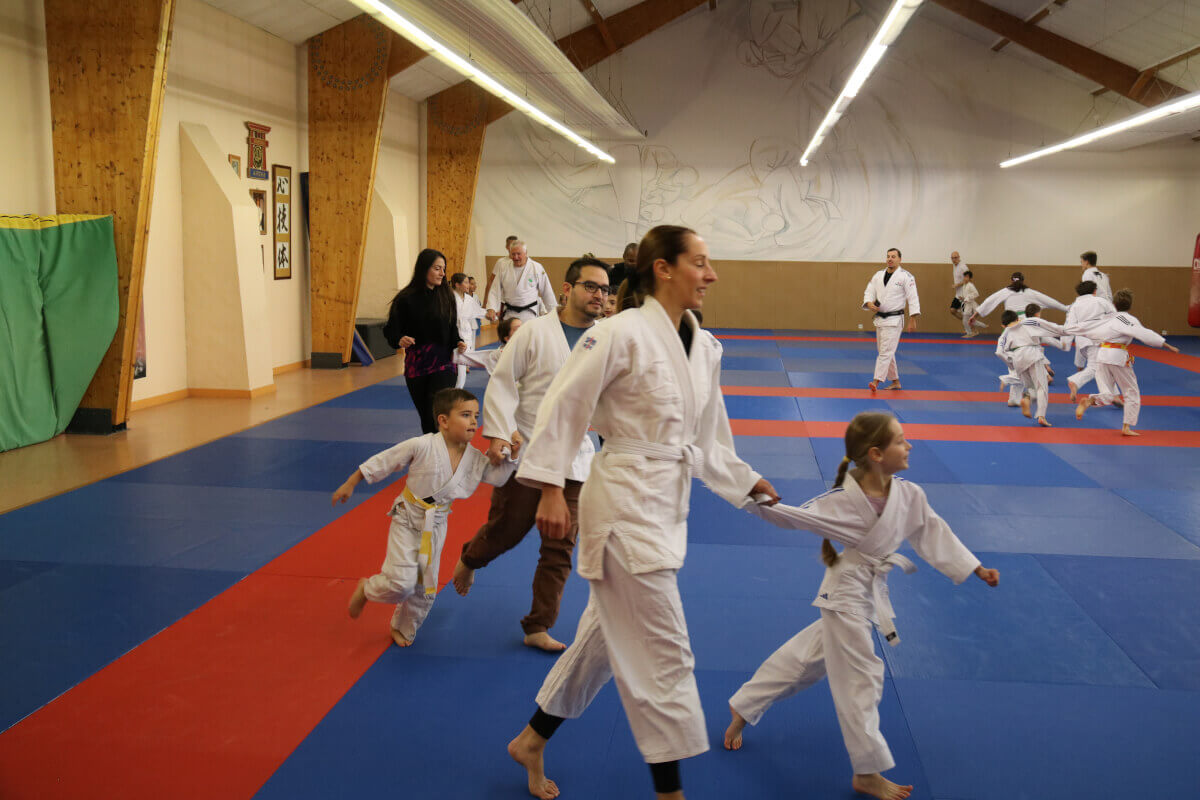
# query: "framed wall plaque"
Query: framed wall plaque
{"points": [[256, 150], [235, 161], [281, 219], [260, 202]]}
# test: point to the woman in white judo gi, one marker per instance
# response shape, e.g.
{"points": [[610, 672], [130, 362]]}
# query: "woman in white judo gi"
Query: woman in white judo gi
{"points": [[442, 467], [648, 381], [871, 513], [1113, 335]]}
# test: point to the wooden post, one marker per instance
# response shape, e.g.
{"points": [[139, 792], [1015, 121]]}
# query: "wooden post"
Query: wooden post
{"points": [[457, 120], [107, 63]]}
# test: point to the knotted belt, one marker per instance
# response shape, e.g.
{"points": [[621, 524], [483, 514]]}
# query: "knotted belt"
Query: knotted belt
{"points": [[691, 455], [427, 558], [1120, 346], [880, 567]]}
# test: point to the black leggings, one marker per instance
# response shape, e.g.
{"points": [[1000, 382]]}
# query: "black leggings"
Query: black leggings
{"points": [[422, 390]]}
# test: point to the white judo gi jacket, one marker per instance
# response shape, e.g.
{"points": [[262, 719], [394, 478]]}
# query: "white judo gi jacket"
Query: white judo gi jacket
{"points": [[1016, 301], [663, 420], [485, 359], [1113, 335], [521, 287], [857, 583], [901, 288], [469, 310], [1086, 310], [527, 366], [1103, 288], [424, 505]]}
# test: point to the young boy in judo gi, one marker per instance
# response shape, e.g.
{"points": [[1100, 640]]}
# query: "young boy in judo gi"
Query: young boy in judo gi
{"points": [[442, 467], [871, 512], [1020, 349], [1089, 307], [969, 295], [1113, 335]]}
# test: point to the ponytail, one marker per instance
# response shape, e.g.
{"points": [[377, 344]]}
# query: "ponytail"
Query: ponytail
{"points": [[828, 554]]}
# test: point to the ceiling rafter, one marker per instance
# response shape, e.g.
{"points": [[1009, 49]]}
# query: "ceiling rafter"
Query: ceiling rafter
{"points": [[1034, 20], [1150, 72], [1108, 72], [586, 48], [601, 25]]}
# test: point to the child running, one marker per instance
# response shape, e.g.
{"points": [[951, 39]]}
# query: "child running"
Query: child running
{"points": [[442, 467], [487, 359], [871, 511], [1020, 349], [1114, 363]]}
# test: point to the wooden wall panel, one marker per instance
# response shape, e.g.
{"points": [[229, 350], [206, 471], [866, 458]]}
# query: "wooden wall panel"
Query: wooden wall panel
{"points": [[347, 93], [456, 123], [827, 296], [107, 63]]}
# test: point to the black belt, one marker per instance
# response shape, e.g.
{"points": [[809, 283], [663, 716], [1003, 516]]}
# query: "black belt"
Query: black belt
{"points": [[519, 309], [889, 313]]}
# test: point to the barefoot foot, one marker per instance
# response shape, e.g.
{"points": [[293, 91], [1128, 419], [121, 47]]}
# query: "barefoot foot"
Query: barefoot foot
{"points": [[464, 576], [1128, 431], [527, 750], [878, 786], [1083, 406], [1071, 386], [1043, 422], [1025, 407], [400, 639], [358, 599], [544, 641], [873, 385], [733, 734], [893, 385]]}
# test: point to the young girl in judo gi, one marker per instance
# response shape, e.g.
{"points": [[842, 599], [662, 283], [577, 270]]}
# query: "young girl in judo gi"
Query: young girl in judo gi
{"points": [[442, 467], [487, 359], [871, 512], [469, 313], [649, 382], [1113, 335]]}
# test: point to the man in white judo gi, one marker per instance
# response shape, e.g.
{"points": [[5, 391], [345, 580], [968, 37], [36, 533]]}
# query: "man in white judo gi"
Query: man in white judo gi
{"points": [[888, 292], [519, 287]]}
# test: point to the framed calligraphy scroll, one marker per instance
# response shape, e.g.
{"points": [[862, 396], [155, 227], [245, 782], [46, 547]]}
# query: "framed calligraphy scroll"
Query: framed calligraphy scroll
{"points": [[281, 219]]}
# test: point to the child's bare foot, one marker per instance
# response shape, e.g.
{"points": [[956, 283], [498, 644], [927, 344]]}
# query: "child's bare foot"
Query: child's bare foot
{"points": [[1083, 406], [399, 639], [878, 786], [544, 641], [464, 577], [733, 734], [1071, 386], [358, 599], [1042, 421], [873, 385], [1128, 431], [893, 385], [1025, 407], [527, 750]]}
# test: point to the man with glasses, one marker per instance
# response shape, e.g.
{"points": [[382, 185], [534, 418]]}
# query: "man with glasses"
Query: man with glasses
{"points": [[531, 360]]}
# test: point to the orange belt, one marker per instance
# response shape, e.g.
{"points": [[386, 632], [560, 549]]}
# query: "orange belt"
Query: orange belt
{"points": [[1116, 346]]}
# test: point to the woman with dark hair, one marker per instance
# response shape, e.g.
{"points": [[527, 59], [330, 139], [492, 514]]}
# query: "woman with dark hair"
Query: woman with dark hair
{"points": [[1015, 297], [650, 384], [424, 322]]}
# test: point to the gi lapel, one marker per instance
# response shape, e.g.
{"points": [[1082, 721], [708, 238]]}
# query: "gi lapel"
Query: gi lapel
{"points": [[673, 346]]}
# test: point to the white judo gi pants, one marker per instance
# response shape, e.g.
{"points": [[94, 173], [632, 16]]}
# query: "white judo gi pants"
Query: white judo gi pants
{"points": [[887, 340], [838, 646], [633, 630], [967, 310], [397, 581], [1120, 380], [1034, 382], [1088, 370]]}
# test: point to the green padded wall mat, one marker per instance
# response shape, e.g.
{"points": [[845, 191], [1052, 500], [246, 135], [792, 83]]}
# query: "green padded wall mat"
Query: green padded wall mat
{"points": [[58, 314]]}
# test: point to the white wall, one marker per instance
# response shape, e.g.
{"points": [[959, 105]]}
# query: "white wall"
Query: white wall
{"points": [[221, 72], [730, 99]]}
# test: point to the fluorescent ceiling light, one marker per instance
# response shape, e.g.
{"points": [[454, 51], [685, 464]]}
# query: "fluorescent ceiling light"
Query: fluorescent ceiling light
{"points": [[393, 19], [897, 17], [1177, 106]]}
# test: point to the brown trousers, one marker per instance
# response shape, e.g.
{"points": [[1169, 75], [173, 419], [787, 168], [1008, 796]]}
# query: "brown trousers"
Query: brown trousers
{"points": [[512, 515]]}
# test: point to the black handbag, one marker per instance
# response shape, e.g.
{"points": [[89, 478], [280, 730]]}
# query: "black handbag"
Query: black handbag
{"points": [[956, 304]]}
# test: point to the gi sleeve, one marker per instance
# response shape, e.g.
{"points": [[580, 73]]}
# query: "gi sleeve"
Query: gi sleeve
{"points": [[989, 305], [819, 515], [910, 294], [1146, 336], [547, 292], [566, 410], [869, 295], [496, 293], [395, 459], [936, 543], [1045, 300], [499, 474], [501, 399], [729, 477]]}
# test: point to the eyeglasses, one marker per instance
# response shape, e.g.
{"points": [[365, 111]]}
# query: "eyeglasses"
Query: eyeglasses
{"points": [[591, 287]]}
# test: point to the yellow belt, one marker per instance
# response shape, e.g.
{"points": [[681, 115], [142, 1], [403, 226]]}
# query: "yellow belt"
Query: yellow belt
{"points": [[426, 563]]}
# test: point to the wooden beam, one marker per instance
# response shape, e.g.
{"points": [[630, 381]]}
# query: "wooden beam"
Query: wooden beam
{"points": [[347, 93], [456, 123], [1152, 71], [586, 48], [107, 64], [1034, 20], [1107, 72], [601, 25], [404, 54]]}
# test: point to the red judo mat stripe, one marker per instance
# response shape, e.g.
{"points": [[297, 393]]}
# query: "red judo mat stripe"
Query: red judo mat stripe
{"points": [[1181, 360], [1181, 401], [973, 433], [214, 704]]}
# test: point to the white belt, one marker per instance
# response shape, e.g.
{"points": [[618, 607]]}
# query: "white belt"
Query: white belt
{"points": [[880, 567], [689, 454]]}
